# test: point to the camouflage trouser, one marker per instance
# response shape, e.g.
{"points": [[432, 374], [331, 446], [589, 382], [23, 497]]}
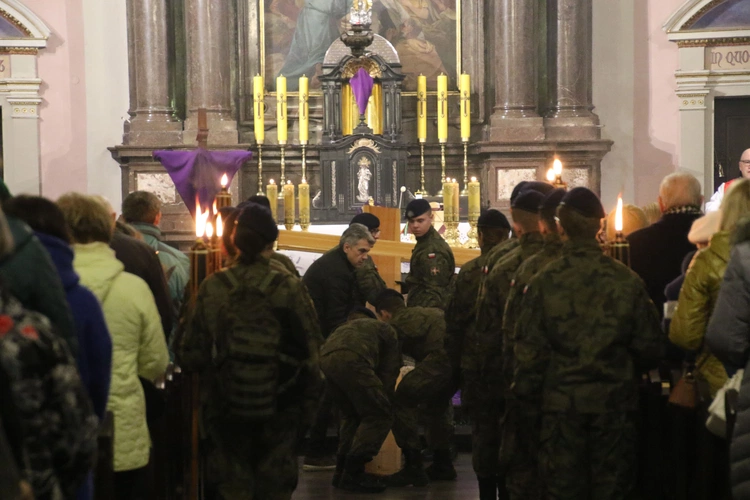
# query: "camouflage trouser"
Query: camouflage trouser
{"points": [[254, 462], [519, 449], [588, 456], [425, 392], [486, 413], [366, 413]]}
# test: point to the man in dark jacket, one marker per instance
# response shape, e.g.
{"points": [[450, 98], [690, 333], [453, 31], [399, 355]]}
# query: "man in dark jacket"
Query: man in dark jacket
{"points": [[332, 285], [369, 281], [656, 251]]}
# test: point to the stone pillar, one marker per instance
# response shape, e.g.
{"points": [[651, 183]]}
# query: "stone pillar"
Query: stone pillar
{"points": [[152, 117], [208, 39], [515, 116], [569, 32]]}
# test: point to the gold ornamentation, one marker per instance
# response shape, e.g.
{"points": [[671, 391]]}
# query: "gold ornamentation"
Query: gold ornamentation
{"points": [[703, 10], [15, 22], [364, 143], [26, 51], [369, 65], [714, 42]]}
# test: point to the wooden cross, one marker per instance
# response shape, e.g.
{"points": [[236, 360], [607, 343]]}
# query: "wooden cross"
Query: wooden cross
{"points": [[202, 137]]}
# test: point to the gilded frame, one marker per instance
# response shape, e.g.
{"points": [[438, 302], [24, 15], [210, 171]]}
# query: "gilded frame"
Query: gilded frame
{"points": [[261, 14]]}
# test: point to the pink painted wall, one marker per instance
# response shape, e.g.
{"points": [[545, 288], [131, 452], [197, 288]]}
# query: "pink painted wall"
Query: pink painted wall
{"points": [[63, 110], [656, 107]]}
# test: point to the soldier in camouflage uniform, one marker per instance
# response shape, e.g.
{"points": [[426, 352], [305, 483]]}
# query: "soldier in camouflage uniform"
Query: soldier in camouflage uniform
{"points": [[257, 461], [486, 426], [586, 328], [432, 268], [425, 391], [361, 362], [369, 281], [520, 425], [272, 254]]}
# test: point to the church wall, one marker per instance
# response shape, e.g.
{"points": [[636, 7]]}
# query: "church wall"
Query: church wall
{"points": [[634, 93]]}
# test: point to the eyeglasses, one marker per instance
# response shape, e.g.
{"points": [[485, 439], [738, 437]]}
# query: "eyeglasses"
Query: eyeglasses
{"points": [[746, 162]]}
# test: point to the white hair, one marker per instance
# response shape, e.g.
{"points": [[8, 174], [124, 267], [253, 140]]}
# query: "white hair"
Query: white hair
{"points": [[680, 189]]}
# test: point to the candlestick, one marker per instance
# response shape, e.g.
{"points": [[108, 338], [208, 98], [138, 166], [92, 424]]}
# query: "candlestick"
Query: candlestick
{"points": [[303, 195], [304, 115], [304, 162], [442, 167], [259, 109], [422, 191], [288, 193], [465, 87], [620, 248], [281, 125], [422, 108], [283, 165], [223, 198], [475, 208], [272, 193], [442, 82], [557, 169], [260, 169], [465, 191]]}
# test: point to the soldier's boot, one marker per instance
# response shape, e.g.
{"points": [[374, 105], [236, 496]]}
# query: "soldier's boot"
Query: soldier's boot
{"points": [[441, 468], [487, 488], [412, 474], [340, 461], [355, 479]]}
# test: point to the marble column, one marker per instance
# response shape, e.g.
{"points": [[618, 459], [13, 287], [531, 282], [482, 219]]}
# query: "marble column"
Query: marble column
{"points": [[515, 116], [152, 117], [569, 36], [208, 25]]}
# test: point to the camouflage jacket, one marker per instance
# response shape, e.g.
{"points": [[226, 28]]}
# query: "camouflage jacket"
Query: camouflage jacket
{"points": [[374, 341], [550, 251], [285, 262], [431, 271], [369, 282], [421, 331], [460, 339], [493, 256], [490, 309], [292, 304], [57, 418], [586, 327]]}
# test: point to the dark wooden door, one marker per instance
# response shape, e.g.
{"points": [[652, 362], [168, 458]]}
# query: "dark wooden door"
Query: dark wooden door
{"points": [[731, 136]]}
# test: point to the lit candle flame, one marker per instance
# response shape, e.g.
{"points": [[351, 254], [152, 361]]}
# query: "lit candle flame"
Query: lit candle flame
{"points": [[551, 175], [214, 210], [224, 181], [272, 181], [618, 215], [200, 220], [209, 230], [557, 167], [219, 226], [473, 179]]}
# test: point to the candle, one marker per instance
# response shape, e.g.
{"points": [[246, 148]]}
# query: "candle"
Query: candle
{"points": [[465, 107], [259, 108], [448, 200], [304, 108], [272, 192], [223, 198], [281, 108], [422, 108], [618, 216], [456, 204], [474, 198], [551, 175], [288, 203], [442, 86], [557, 168], [303, 197]]}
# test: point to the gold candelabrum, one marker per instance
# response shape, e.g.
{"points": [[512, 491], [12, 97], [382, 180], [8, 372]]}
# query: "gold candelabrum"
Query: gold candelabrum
{"points": [[304, 160], [223, 199], [465, 190], [451, 229], [619, 249], [260, 169], [283, 167], [422, 191], [442, 168]]}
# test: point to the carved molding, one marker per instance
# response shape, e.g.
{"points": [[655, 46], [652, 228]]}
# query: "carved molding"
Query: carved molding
{"points": [[713, 42], [15, 22], [369, 65], [700, 13], [364, 143]]}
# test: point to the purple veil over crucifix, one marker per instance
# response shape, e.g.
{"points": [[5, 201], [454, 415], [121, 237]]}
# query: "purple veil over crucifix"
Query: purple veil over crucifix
{"points": [[361, 84], [198, 172]]}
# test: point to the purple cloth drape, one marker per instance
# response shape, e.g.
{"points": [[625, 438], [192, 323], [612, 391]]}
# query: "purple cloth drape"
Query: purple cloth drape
{"points": [[361, 85], [198, 172]]}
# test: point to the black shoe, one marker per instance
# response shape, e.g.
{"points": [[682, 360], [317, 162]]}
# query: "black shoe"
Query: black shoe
{"points": [[487, 488], [442, 467], [340, 462], [318, 463], [361, 483]]}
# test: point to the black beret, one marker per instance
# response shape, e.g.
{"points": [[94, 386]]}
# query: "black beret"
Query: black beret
{"points": [[493, 219], [417, 207], [258, 219], [529, 200], [551, 201], [540, 187], [260, 200], [366, 219], [585, 202], [520, 187]]}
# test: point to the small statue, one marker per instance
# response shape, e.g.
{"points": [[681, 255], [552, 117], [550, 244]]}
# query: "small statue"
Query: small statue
{"points": [[363, 176]]}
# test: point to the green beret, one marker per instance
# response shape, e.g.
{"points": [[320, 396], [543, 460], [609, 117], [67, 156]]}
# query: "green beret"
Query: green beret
{"points": [[585, 202]]}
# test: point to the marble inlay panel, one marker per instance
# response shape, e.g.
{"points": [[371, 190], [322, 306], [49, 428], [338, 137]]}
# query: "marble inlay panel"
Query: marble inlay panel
{"points": [[159, 184], [576, 177], [507, 178]]}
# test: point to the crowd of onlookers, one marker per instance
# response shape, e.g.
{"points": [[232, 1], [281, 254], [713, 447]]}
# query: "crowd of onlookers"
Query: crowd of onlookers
{"points": [[87, 305]]}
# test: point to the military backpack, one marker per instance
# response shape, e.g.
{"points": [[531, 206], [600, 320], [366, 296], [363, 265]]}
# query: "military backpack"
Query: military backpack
{"points": [[247, 351]]}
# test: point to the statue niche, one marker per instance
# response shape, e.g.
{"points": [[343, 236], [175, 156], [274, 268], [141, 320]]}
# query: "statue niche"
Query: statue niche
{"points": [[362, 155]]}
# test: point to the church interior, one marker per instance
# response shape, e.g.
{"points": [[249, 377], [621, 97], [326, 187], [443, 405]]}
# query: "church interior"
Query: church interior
{"points": [[332, 108]]}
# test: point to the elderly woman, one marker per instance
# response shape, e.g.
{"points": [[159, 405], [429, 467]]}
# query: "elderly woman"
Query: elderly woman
{"points": [[139, 348]]}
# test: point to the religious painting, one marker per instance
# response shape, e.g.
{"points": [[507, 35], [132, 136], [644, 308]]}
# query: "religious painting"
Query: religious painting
{"points": [[299, 32]]}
